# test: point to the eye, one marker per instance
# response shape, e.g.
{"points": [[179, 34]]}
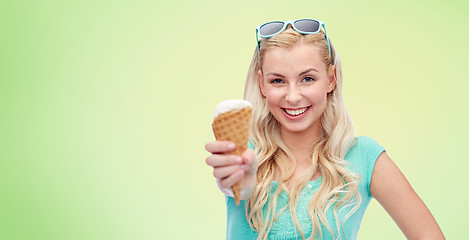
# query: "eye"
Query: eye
{"points": [[276, 81], [308, 79]]}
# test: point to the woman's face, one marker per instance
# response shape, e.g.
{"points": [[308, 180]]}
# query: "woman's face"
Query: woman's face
{"points": [[295, 83]]}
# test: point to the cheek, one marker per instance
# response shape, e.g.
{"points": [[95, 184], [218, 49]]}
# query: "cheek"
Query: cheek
{"points": [[274, 96], [316, 96]]}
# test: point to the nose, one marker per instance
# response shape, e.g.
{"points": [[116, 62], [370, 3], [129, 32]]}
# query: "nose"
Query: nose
{"points": [[293, 95]]}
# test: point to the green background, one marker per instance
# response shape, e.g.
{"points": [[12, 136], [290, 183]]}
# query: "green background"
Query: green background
{"points": [[106, 107]]}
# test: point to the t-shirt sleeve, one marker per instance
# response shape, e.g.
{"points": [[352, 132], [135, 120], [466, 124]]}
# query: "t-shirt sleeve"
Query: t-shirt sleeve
{"points": [[371, 150], [250, 145]]}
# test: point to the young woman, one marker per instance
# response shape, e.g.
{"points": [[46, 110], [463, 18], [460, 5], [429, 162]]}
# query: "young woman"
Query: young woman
{"points": [[305, 175]]}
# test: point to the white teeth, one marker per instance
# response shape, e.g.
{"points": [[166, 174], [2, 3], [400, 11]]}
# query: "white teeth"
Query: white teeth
{"points": [[296, 112]]}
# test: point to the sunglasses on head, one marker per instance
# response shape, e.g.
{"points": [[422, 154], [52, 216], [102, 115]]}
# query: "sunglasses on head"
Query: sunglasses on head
{"points": [[303, 26]]}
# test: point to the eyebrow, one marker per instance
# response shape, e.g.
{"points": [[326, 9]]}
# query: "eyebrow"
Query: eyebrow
{"points": [[308, 70], [302, 73]]}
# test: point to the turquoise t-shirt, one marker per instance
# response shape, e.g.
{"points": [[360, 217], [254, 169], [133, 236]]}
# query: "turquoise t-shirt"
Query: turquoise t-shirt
{"points": [[362, 158]]}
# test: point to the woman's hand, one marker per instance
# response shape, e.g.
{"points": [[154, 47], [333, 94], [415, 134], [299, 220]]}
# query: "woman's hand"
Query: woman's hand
{"points": [[229, 169]]}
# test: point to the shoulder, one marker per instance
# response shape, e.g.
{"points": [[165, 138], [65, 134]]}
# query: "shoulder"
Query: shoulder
{"points": [[362, 158], [366, 141], [365, 147]]}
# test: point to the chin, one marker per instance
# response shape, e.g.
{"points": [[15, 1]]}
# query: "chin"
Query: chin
{"points": [[297, 129]]}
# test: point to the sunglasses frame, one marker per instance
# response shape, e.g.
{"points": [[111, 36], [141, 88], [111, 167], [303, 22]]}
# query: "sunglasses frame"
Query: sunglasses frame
{"points": [[292, 23]]}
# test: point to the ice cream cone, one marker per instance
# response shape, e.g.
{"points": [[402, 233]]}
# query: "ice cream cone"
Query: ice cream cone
{"points": [[231, 123]]}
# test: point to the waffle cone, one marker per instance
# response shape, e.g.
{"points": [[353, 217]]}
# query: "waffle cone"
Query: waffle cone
{"points": [[234, 126]]}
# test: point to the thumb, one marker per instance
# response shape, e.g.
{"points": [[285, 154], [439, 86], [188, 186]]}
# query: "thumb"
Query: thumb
{"points": [[249, 158]]}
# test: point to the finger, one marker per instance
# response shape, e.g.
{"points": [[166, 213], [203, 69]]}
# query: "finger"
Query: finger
{"points": [[219, 160], [246, 157], [249, 158], [228, 182], [220, 146], [223, 172]]}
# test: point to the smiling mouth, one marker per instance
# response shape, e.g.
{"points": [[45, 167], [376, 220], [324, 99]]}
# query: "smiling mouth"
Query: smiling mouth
{"points": [[295, 112]]}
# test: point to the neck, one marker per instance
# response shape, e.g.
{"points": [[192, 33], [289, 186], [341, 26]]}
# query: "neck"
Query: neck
{"points": [[300, 143]]}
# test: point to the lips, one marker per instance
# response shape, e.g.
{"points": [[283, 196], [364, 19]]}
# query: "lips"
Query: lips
{"points": [[295, 112]]}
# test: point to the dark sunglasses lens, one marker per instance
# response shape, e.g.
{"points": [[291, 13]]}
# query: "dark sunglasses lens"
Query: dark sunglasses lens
{"points": [[271, 28], [309, 26]]}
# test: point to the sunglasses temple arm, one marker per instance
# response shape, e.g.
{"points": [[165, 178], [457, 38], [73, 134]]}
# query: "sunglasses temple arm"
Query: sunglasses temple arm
{"points": [[328, 44], [258, 43]]}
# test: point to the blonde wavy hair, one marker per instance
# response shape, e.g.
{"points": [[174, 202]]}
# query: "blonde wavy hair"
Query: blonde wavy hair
{"points": [[339, 186]]}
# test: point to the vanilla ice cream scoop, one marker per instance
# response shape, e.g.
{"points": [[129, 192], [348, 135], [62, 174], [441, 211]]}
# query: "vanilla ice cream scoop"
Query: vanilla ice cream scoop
{"points": [[229, 105]]}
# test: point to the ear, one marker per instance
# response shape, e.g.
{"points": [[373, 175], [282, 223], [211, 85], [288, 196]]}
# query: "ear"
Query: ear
{"points": [[261, 82], [332, 81]]}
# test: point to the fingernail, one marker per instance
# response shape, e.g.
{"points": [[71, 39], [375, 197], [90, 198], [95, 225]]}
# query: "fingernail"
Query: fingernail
{"points": [[231, 146], [239, 160]]}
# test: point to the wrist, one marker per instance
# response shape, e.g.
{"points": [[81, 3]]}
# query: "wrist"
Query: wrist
{"points": [[247, 189]]}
